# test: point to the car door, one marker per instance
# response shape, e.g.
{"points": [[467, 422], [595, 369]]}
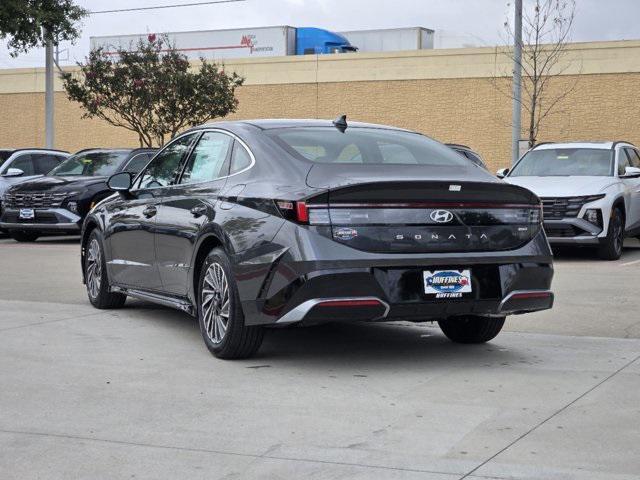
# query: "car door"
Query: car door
{"points": [[633, 188], [130, 232], [187, 206]]}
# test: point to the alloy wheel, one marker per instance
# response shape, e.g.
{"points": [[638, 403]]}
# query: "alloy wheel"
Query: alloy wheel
{"points": [[618, 234], [94, 268], [215, 303]]}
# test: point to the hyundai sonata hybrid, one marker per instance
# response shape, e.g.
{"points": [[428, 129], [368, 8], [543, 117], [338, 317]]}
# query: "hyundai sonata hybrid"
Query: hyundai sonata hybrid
{"points": [[266, 223]]}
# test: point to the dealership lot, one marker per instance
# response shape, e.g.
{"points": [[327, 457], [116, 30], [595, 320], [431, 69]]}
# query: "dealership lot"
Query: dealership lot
{"points": [[135, 393]]}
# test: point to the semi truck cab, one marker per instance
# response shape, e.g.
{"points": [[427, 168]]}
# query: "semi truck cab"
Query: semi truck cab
{"points": [[312, 41]]}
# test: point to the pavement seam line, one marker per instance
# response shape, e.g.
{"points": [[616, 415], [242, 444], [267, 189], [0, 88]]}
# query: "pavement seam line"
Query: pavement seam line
{"points": [[49, 321], [557, 412], [223, 452]]}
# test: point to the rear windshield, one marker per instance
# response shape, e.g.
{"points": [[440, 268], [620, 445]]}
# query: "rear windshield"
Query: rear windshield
{"points": [[554, 162], [365, 146], [92, 164]]}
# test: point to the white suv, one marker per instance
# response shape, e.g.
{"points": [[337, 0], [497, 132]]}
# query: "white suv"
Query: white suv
{"points": [[590, 192]]}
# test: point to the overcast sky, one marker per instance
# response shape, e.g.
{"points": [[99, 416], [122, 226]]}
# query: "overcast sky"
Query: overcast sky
{"points": [[459, 22]]}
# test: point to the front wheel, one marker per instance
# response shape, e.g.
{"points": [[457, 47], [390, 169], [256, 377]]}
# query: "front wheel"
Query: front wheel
{"points": [[471, 328], [220, 313], [95, 276], [611, 249], [24, 236]]}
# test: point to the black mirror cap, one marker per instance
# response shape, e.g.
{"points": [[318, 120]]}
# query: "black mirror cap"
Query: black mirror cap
{"points": [[120, 182]]}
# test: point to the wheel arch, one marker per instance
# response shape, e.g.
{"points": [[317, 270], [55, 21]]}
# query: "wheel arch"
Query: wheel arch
{"points": [[206, 243], [621, 204], [89, 226]]}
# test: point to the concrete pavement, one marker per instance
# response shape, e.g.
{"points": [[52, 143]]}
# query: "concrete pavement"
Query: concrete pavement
{"points": [[133, 393]]}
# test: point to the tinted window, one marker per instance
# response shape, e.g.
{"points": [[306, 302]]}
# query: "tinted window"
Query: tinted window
{"points": [[91, 164], [207, 161], [241, 158], [365, 146], [45, 163], [24, 163], [164, 168], [137, 163], [564, 162]]}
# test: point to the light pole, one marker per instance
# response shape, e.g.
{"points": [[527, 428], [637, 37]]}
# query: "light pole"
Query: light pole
{"points": [[517, 81], [48, 93]]}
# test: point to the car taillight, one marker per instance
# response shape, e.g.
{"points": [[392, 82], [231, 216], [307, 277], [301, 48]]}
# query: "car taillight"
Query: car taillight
{"points": [[303, 213]]}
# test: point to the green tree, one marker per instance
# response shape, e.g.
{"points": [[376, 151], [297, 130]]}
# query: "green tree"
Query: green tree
{"points": [[152, 90], [28, 23]]}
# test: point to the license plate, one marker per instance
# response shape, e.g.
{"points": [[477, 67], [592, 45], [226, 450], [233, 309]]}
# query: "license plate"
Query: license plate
{"points": [[447, 283], [27, 214]]}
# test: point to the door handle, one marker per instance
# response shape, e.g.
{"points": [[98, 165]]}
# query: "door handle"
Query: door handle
{"points": [[199, 210], [150, 211]]}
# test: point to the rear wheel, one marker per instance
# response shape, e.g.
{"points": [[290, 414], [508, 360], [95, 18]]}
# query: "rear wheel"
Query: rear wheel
{"points": [[220, 313], [95, 275], [471, 328], [611, 249], [24, 236]]}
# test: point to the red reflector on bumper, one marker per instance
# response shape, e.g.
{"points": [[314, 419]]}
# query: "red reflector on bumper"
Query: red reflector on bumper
{"points": [[350, 303]]}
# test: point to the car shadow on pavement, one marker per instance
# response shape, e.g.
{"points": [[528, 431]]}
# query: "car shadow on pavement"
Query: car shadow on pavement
{"points": [[337, 344]]}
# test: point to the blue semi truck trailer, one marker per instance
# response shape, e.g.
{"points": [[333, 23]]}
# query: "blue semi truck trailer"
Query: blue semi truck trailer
{"points": [[239, 42]]}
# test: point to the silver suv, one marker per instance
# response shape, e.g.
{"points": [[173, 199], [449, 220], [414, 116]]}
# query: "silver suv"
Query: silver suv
{"points": [[590, 192]]}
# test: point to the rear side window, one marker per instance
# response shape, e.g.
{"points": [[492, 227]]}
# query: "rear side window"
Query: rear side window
{"points": [[24, 163], [45, 163], [240, 159], [365, 146]]}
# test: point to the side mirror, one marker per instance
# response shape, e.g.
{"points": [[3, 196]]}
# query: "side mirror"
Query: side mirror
{"points": [[632, 172], [502, 172], [13, 172], [120, 182]]}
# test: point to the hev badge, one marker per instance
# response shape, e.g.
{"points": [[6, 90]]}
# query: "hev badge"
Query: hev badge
{"points": [[447, 283]]}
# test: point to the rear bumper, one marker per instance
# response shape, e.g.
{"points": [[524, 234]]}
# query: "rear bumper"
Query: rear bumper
{"points": [[46, 220], [373, 308], [294, 283]]}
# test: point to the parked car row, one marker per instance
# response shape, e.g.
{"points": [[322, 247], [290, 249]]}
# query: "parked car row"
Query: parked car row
{"points": [[58, 201], [262, 223]]}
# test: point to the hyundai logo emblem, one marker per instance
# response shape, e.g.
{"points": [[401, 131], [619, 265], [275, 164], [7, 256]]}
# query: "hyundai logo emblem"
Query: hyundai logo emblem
{"points": [[441, 216]]}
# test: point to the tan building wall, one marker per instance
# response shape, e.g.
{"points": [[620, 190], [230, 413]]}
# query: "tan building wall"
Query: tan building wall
{"points": [[447, 94]]}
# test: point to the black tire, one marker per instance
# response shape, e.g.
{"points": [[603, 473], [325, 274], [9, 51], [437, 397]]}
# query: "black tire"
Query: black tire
{"points": [[22, 236], [236, 340], [471, 328], [611, 249], [95, 274]]}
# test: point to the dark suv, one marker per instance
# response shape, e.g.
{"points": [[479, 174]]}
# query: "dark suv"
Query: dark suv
{"points": [[280, 222], [59, 201]]}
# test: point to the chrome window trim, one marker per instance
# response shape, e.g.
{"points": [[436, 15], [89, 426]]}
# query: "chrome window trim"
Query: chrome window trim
{"points": [[199, 132], [236, 138]]}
